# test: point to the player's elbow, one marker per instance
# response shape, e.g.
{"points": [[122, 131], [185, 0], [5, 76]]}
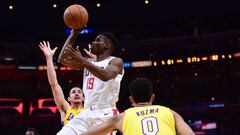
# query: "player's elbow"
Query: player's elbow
{"points": [[61, 60]]}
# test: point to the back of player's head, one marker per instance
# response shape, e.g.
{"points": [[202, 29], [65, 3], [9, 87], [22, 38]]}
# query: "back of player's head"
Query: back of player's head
{"points": [[111, 39], [141, 89]]}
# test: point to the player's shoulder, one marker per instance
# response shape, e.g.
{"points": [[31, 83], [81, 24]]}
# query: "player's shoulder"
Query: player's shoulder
{"points": [[116, 60], [162, 107], [131, 109], [114, 57]]}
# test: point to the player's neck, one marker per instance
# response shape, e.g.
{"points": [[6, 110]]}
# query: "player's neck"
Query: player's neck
{"points": [[77, 105], [103, 56], [142, 104]]}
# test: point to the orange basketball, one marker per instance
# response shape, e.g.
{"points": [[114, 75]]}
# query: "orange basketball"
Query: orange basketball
{"points": [[75, 16]]}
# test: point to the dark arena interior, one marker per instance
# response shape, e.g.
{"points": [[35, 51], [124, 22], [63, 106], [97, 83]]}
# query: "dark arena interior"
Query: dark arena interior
{"points": [[189, 49]]}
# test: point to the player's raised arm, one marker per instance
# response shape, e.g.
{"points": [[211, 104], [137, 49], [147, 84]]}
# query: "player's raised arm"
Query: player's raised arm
{"points": [[58, 95], [102, 47], [77, 21], [68, 43]]}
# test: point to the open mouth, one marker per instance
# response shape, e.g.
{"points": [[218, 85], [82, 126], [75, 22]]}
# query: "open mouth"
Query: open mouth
{"points": [[76, 98]]}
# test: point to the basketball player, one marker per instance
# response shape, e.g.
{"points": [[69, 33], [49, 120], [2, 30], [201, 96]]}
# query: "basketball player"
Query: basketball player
{"points": [[101, 81], [144, 118], [67, 111]]}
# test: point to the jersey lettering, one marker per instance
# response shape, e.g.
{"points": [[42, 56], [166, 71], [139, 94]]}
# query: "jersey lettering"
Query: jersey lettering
{"points": [[90, 83], [87, 73], [150, 126]]}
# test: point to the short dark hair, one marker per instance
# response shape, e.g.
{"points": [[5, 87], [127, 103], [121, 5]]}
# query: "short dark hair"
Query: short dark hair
{"points": [[69, 92], [141, 89], [33, 130], [112, 38]]}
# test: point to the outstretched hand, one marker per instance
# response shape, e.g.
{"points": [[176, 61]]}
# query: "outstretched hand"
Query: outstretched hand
{"points": [[88, 52], [45, 47]]}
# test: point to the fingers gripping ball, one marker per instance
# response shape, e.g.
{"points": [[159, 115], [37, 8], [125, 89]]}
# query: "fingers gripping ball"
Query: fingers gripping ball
{"points": [[75, 16]]}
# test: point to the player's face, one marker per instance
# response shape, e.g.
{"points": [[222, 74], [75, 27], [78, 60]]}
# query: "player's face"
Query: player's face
{"points": [[98, 45], [76, 95]]}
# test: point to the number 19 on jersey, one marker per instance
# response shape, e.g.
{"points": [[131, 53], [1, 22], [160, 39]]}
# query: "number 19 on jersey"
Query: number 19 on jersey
{"points": [[90, 83]]}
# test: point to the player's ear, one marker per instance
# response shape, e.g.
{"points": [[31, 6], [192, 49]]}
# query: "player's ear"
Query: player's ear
{"points": [[152, 98], [69, 99], [108, 45], [132, 101]]}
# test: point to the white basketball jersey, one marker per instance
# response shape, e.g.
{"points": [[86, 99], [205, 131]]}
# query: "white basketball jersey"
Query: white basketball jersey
{"points": [[99, 93]]}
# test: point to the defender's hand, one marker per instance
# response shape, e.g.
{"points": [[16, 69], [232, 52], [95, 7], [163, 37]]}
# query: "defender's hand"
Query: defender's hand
{"points": [[45, 47]]}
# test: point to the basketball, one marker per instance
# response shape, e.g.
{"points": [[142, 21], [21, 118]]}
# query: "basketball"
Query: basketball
{"points": [[75, 16]]}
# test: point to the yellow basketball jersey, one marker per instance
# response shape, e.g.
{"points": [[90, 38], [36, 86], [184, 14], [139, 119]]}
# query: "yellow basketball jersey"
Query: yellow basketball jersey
{"points": [[149, 120], [71, 113]]}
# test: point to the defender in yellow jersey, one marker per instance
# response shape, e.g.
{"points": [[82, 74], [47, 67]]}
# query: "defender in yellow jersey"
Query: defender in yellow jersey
{"points": [[144, 118], [67, 111], [154, 120], [71, 112]]}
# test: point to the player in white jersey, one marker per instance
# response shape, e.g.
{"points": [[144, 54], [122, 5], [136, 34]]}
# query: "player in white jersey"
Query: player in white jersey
{"points": [[105, 94], [101, 81]]}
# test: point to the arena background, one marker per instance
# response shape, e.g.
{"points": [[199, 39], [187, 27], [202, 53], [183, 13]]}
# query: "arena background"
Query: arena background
{"points": [[189, 49]]}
